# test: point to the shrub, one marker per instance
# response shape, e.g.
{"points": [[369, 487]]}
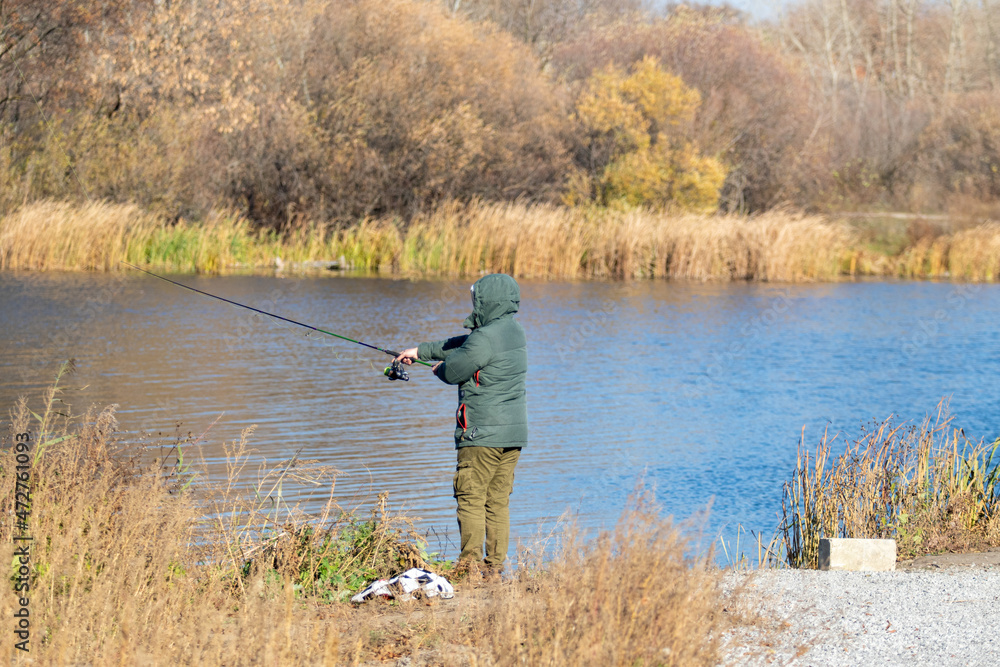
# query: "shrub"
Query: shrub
{"points": [[635, 150], [627, 596]]}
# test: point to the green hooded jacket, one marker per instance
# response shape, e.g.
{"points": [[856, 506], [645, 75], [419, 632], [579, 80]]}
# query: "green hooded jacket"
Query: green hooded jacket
{"points": [[489, 366]]}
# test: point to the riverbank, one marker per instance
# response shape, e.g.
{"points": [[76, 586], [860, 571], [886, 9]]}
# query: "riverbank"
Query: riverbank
{"points": [[132, 560], [542, 242]]}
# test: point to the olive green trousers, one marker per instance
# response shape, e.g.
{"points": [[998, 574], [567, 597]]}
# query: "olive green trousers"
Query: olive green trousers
{"points": [[484, 478]]}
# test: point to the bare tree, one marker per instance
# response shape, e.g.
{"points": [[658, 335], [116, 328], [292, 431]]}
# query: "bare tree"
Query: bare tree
{"points": [[542, 24], [954, 77]]}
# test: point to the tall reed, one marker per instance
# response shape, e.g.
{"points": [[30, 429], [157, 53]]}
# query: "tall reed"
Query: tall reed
{"points": [[555, 242], [455, 240], [975, 253], [536, 241], [928, 487]]}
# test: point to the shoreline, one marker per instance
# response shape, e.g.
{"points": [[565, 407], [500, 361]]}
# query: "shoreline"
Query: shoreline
{"points": [[541, 242]]}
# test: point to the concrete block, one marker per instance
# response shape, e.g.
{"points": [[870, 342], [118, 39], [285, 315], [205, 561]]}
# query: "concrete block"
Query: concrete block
{"points": [[857, 555]]}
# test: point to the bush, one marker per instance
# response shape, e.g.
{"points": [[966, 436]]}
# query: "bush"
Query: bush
{"points": [[959, 153], [634, 147], [337, 111]]}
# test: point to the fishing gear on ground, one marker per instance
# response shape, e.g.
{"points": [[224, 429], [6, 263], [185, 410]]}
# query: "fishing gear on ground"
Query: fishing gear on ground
{"points": [[394, 372]]}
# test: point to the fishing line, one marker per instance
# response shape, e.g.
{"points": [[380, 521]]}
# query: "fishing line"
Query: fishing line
{"points": [[393, 372]]}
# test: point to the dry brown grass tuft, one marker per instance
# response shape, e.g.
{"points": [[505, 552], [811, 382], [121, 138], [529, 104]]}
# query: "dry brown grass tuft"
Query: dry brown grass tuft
{"points": [[630, 596], [121, 572], [130, 566]]}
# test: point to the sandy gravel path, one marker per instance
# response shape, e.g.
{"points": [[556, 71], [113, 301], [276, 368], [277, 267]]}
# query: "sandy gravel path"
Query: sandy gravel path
{"points": [[938, 610]]}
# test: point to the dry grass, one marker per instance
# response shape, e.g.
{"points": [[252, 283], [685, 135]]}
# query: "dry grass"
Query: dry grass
{"points": [[629, 597], [58, 235], [130, 566], [975, 253], [926, 486], [469, 239], [96, 236], [140, 562], [455, 240], [556, 242]]}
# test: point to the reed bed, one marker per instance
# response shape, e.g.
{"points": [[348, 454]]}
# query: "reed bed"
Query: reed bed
{"points": [[975, 253], [927, 486], [147, 561], [454, 240], [60, 235], [97, 236], [554, 242], [533, 241]]}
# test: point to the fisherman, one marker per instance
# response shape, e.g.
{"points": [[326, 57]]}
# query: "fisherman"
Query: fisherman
{"points": [[489, 366]]}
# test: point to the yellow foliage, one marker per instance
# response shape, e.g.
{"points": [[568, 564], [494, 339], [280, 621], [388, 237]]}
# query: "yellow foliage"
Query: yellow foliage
{"points": [[661, 178], [604, 108], [696, 180], [638, 154], [636, 179], [663, 98]]}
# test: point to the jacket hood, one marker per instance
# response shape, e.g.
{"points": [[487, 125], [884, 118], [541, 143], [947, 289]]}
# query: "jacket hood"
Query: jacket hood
{"points": [[493, 296]]}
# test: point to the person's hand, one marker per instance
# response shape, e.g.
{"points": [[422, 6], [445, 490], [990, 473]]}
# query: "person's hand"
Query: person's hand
{"points": [[407, 356], [435, 367]]}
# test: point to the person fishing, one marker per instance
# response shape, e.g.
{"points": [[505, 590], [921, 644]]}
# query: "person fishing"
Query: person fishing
{"points": [[489, 366]]}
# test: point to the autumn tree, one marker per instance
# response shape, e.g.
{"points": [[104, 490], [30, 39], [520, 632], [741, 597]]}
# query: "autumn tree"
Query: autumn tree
{"points": [[544, 24], [899, 90], [754, 111], [635, 147]]}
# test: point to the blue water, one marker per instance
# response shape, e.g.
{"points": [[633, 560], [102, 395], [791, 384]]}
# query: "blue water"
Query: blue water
{"points": [[699, 390]]}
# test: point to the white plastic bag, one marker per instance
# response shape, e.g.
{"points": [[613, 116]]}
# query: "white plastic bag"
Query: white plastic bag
{"points": [[428, 583]]}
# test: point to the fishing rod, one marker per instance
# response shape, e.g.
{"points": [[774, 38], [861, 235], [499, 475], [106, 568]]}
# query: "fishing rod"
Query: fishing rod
{"points": [[393, 372]]}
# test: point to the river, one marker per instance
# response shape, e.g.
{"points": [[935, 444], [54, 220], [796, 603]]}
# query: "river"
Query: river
{"points": [[698, 390]]}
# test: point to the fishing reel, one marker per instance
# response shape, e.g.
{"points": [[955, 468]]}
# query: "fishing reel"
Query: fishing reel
{"points": [[396, 371]]}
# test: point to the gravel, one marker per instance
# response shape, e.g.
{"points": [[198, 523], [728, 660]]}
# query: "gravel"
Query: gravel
{"points": [[911, 617]]}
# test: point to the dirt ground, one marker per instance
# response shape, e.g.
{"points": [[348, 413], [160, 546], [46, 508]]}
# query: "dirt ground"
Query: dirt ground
{"points": [[990, 558], [415, 633]]}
